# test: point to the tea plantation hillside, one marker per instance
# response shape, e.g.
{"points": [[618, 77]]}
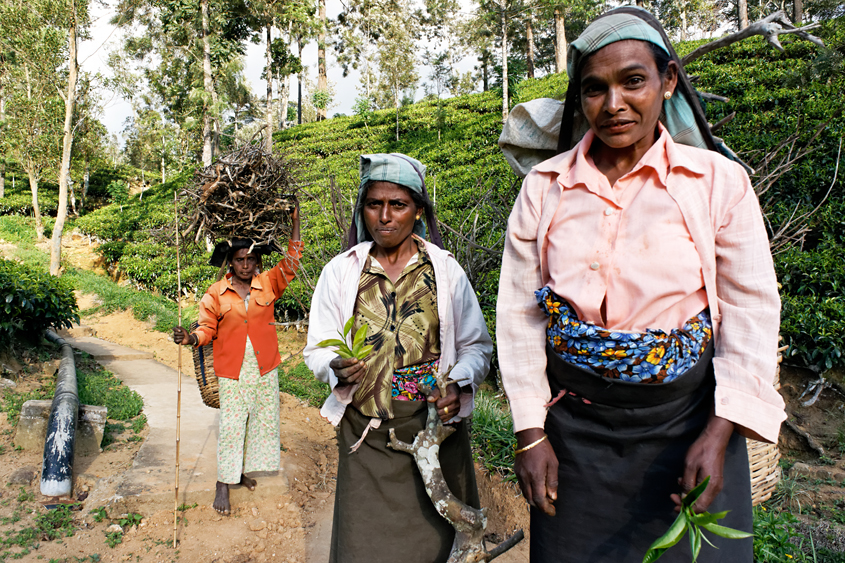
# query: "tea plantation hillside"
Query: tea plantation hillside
{"points": [[771, 92]]}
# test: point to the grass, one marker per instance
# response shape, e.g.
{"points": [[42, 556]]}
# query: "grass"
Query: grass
{"points": [[295, 378], [48, 526], [492, 435], [98, 386]]}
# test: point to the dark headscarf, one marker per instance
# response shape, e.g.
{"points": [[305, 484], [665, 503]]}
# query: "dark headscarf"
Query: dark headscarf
{"points": [[404, 171]]}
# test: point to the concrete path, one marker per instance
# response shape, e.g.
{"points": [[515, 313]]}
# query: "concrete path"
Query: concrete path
{"points": [[150, 481]]}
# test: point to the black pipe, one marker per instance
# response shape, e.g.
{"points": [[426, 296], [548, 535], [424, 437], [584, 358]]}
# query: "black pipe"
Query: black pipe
{"points": [[57, 468]]}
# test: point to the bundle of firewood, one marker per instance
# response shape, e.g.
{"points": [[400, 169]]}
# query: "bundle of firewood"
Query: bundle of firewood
{"points": [[247, 193]]}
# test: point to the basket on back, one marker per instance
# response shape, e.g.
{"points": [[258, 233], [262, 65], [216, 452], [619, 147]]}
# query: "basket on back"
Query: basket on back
{"points": [[204, 372]]}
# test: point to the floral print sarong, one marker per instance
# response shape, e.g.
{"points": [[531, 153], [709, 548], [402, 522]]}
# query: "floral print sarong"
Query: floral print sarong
{"points": [[406, 380], [652, 356]]}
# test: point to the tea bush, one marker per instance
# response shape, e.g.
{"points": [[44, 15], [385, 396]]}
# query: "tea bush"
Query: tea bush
{"points": [[771, 92], [33, 301]]}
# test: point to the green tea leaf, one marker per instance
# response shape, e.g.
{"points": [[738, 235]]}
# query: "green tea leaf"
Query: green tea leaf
{"points": [[672, 536], [331, 342], [348, 326], [358, 341], [693, 495], [695, 541], [726, 532], [364, 352], [653, 555], [344, 352]]}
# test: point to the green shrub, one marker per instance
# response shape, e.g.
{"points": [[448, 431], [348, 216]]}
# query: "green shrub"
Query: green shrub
{"points": [[33, 301]]}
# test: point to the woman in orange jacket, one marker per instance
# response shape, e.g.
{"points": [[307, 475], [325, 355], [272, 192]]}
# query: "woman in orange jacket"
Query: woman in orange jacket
{"points": [[236, 313]]}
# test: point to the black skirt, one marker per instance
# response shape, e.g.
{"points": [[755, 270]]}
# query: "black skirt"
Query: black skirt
{"points": [[620, 458], [382, 513]]}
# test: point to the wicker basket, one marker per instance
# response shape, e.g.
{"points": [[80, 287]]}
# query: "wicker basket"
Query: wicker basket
{"points": [[763, 459], [204, 372]]}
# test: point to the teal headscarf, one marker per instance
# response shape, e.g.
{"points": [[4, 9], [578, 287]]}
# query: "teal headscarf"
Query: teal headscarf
{"points": [[399, 169], [682, 115]]}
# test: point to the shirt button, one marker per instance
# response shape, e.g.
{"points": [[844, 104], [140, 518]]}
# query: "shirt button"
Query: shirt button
{"points": [[257, 352], [244, 322], [725, 400], [595, 266], [608, 211]]}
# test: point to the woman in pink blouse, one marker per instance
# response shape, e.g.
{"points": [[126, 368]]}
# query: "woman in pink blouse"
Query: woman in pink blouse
{"points": [[638, 312]]}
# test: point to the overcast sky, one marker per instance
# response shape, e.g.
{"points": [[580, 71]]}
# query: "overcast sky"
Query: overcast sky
{"points": [[105, 38]]}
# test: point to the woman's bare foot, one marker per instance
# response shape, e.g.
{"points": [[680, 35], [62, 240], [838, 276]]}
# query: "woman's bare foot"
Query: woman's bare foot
{"points": [[247, 482], [221, 499]]}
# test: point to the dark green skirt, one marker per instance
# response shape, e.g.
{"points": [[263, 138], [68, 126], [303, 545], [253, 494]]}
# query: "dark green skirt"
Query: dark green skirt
{"points": [[620, 459], [382, 513]]}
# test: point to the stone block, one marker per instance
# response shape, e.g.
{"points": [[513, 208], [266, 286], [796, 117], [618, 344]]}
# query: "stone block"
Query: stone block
{"points": [[32, 427]]}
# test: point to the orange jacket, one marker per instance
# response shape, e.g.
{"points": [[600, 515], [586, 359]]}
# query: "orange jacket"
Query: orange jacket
{"points": [[224, 319]]}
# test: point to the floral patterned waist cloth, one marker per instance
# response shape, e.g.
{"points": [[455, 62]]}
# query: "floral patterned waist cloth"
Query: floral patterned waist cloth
{"points": [[652, 356], [406, 380]]}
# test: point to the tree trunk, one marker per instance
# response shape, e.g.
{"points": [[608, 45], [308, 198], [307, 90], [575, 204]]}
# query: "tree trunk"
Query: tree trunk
{"points": [[208, 84], [560, 40], [797, 12], [529, 32], [505, 104], [322, 81], [742, 13], [284, 96], [268, 133], [71, 194], [485, 75], [683, 24], [396, 101], [85, 181], [36, 211], [2, 160], [299, 79]]}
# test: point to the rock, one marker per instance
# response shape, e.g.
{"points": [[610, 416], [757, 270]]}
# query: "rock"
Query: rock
{"points": [[260, 547], [817, 472], [262, 534], [7, 383], [256, 526], [255, 512], [114, 528], [23, 476]]}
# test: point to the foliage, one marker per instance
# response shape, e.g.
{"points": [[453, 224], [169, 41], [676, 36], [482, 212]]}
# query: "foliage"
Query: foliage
{"points": [[47, 526], [774, 532], [295, 378], [492, 437], [118, 191], [33, 301], [98, 386]]}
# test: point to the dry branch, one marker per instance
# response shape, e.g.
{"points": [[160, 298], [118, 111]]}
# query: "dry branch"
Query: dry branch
{"points": [[469, 523], [769, 27], [247, 193]]}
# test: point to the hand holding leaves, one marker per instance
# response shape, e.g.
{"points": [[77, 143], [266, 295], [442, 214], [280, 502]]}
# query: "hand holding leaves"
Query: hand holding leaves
{"points": [[689, 520], [358, 350]]}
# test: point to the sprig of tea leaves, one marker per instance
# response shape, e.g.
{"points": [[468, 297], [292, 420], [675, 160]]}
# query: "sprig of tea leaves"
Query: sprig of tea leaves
{"points": [[690, 521], [358, 349]]}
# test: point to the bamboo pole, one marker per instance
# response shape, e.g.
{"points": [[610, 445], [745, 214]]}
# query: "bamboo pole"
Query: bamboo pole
{"points": [[178, 367]]}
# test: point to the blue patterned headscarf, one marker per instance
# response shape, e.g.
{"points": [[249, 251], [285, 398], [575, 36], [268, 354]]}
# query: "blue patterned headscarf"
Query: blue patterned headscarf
{"points": [[399, 169]]}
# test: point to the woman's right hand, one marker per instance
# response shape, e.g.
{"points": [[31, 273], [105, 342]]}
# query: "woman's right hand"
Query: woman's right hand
{"points": [[182, 336], [348, 371], [536, 470]]}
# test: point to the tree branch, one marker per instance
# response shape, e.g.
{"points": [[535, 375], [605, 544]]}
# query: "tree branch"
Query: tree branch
{"points": [[769, 27]]}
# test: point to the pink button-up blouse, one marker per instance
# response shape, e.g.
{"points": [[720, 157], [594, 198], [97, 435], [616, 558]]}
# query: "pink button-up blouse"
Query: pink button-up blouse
{"points": [[682, 231]]}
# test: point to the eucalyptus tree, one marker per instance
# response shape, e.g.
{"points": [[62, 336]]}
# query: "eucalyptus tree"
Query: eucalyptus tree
{"points": [[397, 61], [357, 31], [189, 42], [33, 106]]}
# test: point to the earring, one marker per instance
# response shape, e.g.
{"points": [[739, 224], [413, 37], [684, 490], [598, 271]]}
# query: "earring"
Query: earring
{"points": [[667, 95], [418, 217]]}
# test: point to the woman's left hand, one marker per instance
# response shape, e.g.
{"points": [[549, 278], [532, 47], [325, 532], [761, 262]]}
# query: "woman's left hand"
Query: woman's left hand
{"points": [[706, 457], [449, 406]]}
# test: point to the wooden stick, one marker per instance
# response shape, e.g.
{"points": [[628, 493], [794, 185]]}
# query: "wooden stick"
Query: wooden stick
{"points": [[178, 368]]}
